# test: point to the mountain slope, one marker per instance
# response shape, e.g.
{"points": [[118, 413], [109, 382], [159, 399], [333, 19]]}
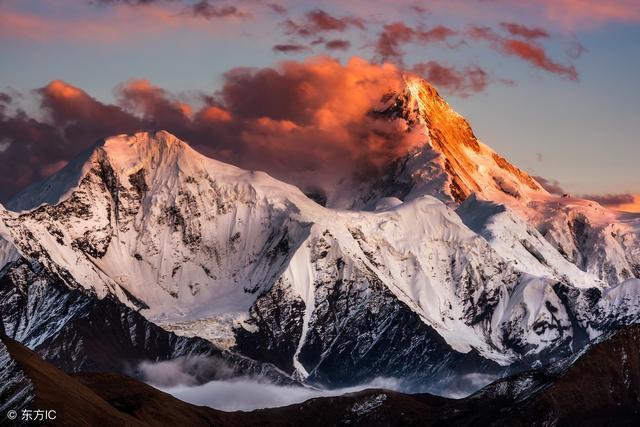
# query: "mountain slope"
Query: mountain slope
{"points": [[451, 165], [76, 331], [599, 389], [252, 265], [103, 399]]}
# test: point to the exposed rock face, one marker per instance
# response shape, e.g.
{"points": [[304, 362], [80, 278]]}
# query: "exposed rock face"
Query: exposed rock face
{"points": [[598, 387], [16, 389], [78, 332]]}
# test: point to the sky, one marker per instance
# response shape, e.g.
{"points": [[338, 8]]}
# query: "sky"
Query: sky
{"points": [[549, 84]]}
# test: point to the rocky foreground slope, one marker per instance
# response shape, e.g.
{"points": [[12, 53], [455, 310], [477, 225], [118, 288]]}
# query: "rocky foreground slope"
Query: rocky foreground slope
{"points": [[599, 389]]}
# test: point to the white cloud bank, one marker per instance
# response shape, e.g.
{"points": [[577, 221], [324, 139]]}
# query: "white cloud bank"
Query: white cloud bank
{"points": [[246, 394], [184, 378]]}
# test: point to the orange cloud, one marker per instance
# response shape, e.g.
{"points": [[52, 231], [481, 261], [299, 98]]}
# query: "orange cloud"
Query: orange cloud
{"points": [[153, 104], [634, 206], [623, 202], [304, 122], [215, 114]]}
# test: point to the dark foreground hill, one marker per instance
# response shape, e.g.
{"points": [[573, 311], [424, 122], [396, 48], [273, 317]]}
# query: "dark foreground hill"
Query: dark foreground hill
{"points": [[601, 388]]}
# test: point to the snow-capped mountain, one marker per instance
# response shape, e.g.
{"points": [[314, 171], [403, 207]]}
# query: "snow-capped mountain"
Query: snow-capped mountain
{"points": [[452, 165], [453, 262]]}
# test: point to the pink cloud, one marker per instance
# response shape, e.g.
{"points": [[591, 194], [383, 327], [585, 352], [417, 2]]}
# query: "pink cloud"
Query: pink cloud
{"points": [[305, 122], [527, 50], [394, 36], [462, 82], [589, 13], [118, 23], [523, 31]]}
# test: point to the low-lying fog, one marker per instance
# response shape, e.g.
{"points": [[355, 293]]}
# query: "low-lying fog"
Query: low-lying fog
{"points": [[183, 378]]}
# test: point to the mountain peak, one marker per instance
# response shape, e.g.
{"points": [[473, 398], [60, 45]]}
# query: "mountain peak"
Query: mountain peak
{"points": [[125, 152], [129, 153], [158, 138], [453, 163]]}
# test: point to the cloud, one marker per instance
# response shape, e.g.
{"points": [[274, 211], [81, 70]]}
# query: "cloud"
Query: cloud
{"points": [[552, 186], [394, 36], [205, 9], [5, 101], [308, 122], [277, 8], [460, 386], [523, 31], [290, 48], [152, 104], [625, 202], [572, 14], [303, 122], [462, 82], [528, 51], [5, 143], [117, 23], [246, 394], [632, 206], [131, 2], [419, 9], [337, 44], [79, 117], [319, 21], [575, 49], [72, 122], [611, 199], [200, 8], [564, 15], [185, 371], [209, 381], [32, 27]]}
